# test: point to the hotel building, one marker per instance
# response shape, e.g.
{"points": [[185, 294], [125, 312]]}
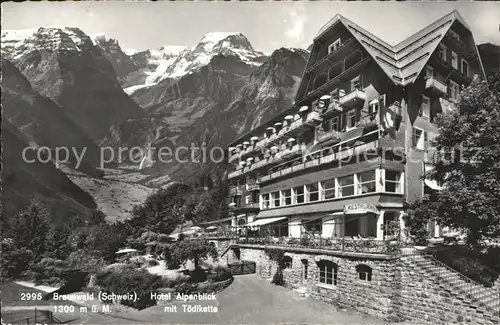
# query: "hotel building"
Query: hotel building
{"points": [[355, 145]]}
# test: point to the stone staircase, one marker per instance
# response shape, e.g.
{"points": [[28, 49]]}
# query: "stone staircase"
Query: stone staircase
{"points": [[486, 301]]}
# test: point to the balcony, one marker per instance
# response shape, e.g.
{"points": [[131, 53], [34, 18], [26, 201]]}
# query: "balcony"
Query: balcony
{"points": [[369, 121], [294, 128], [330, 137], [436, 86], [345, 75], [235, 191], [333, 108], [270, 159], [353, 99], [348, 46], [252, 186], [318, 159]]}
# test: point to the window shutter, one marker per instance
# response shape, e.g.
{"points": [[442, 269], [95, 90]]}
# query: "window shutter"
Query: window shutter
{"points": [[426, 140]]}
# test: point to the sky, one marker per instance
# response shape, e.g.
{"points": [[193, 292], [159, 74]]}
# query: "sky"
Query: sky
{"points": [[268, 25]]}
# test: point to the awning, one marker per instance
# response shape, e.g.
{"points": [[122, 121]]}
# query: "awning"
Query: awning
{"points": [[319, 207], [432, 184], [261, 222]]}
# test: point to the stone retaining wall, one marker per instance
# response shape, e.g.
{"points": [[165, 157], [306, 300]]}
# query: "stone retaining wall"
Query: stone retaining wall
{"points": [[221, 244], [397, 292], [421, 296], [370, 297]]}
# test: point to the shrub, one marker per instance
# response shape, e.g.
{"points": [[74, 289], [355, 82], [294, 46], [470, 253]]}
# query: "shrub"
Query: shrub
{"points": [[198, 275], [49, 269], [186, 288], [153, 262], [130, 280], [221, 273]]}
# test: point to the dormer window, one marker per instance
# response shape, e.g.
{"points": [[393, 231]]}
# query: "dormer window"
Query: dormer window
{"points": [[334, 46]]}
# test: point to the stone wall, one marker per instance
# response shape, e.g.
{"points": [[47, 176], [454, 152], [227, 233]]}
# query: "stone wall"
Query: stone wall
{"points": [[222, 245], [370, 297], [422, 296], [397, 291]]}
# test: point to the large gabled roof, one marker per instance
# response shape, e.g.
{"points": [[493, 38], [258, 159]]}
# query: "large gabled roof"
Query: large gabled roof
{"points": [[402, 62]]}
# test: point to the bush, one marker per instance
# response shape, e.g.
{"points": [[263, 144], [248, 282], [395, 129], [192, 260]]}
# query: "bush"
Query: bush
{"points": [[198, 275], [16, 262], [186, 288], [221, 273], [50, 269], [153, 262], [129, 280]]}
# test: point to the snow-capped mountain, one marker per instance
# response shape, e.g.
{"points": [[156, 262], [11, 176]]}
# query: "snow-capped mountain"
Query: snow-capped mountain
{"points": [[186, 61], [64, 65], [150, 65], [121, 62]]}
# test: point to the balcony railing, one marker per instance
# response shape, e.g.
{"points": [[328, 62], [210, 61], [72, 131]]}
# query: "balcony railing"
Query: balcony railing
{"points": [[344, 75], [329, 136], [252, 187], [272, 158], [436, 86], [235, 191], [368, 119], [328, 57], [371, 246], [317, 158], [353, 98]]}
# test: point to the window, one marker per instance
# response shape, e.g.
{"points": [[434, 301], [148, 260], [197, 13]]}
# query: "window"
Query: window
{"points": [[315, 226], [328, 189], [364, 272], [350, 119], [248, 199], [465, 68], [425, 107], [356, 83], [287, 197], [454, 90], [392, 181], [429, 71], [454, 60], [265, 201], [334, 46], [275, 198], [346, 186], [419, 139], [366, 182], [312, 192], [298, 194], [327, 272], [442, 52], [335, 126], [305, 266], [287, 262]]}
